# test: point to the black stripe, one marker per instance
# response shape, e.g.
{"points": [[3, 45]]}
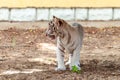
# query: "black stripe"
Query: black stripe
{"points": [[72, 44], [72, 51], [62, 55], [69, 38], [61, 50], [61, 46]]}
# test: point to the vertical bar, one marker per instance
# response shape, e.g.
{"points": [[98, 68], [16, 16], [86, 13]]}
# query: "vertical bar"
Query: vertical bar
{"points": [[9, 15], [113, 13], [87, 13], [48, 13], [75, 19], [35, 14]]}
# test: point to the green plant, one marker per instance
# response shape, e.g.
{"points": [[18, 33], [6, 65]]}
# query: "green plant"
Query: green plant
{"points": [[75, 69]]}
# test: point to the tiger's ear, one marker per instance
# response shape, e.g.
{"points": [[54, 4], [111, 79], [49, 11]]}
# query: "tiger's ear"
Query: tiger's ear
{"points": [[60, 22], [54, 16]]}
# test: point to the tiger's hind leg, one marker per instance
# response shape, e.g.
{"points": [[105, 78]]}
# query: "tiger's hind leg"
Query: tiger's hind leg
{"points": [[75, 59]]}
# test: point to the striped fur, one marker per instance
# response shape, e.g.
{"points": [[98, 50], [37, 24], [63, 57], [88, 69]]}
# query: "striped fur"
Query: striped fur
{"points": [[69, 38]]}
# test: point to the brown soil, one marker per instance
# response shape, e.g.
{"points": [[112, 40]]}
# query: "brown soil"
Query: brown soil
{"points": [[30, 55]]}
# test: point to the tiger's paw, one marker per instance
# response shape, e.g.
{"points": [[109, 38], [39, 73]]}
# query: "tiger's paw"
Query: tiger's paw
{"points": [[60, 69]]}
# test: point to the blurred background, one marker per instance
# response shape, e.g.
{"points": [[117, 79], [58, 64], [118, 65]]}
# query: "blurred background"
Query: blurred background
{"points": [[35, 10], [90, 13], [27, 54]]}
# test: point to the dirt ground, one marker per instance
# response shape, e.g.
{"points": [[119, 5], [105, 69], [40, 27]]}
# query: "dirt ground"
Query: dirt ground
{"points": [[30, 55]]}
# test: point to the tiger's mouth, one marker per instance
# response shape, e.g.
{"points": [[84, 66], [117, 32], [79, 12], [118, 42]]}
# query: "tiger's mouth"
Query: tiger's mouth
{"points": [[52, 36]]}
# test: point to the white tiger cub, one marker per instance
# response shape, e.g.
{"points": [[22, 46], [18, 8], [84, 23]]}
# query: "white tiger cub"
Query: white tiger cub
{"points": [[69, 38]]}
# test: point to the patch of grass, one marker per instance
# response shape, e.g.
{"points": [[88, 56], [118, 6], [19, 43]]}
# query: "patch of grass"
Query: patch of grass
{"points": [[75, 69]]}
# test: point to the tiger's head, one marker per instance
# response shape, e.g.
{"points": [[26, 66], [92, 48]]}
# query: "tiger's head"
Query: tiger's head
{"points": [[55, 28]]}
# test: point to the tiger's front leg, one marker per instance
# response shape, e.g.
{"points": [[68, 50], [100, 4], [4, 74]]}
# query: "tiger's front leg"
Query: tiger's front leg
{"points": [[60, 59], [69, 61]]}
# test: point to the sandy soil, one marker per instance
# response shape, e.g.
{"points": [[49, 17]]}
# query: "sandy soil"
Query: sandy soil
{"points": [[30, 55]]}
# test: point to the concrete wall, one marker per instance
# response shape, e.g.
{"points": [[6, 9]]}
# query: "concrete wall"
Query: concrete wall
{"points": [[35, 14]]}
